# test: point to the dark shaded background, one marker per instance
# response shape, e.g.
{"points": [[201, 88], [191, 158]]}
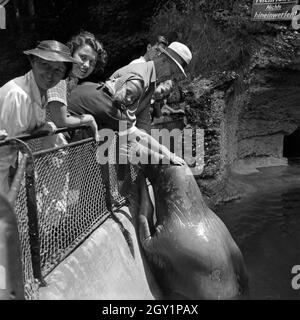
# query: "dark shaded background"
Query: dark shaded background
{"points": [[122, 26], [220, 33]]}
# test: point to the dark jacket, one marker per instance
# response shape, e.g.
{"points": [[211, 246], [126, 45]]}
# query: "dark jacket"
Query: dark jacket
{"points": [[88, 98]]}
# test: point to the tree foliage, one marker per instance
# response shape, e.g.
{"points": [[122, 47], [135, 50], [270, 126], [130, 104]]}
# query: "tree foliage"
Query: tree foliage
{"points": [[219, 32], [122, 26]]}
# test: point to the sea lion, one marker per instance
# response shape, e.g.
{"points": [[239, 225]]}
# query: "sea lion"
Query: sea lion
{"points": [[190, 250]]}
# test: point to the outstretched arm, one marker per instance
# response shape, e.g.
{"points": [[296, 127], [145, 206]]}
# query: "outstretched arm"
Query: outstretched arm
{"points": [[151, 144], [62, 118]]}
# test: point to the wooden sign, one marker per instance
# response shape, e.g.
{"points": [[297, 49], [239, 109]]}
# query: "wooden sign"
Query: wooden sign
{"points": [[272, 10]]}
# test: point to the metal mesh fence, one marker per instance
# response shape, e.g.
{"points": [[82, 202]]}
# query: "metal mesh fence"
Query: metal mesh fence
{"points": [[118, 199], [31, 286], [73, 196]]}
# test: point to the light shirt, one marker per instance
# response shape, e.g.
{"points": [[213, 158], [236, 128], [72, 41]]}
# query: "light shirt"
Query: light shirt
{"points": [[97, 101], [139, 60], [22, 109], [145, 72]]}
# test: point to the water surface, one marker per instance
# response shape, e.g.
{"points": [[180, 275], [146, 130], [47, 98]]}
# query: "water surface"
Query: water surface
{"points": [[266, 227]]}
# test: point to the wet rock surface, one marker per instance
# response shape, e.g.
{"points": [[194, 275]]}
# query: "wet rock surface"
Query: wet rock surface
{"points": [[246, 114]]}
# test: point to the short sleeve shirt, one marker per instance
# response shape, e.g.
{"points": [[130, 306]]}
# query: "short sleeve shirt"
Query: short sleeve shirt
{"points": [[58, 93], [61, 93], [87, 98], [22, 109], [145, 72], [138, 60]]}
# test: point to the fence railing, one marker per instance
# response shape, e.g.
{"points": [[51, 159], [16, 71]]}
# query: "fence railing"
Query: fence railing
{"points": [[60, 195]]}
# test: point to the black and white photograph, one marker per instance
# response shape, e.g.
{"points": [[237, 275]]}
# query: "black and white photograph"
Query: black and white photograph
{"points": [[149, 152]]}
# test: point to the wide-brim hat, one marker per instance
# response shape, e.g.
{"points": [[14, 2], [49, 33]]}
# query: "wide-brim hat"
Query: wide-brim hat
{"points": [[180, 54], [52, 50]]}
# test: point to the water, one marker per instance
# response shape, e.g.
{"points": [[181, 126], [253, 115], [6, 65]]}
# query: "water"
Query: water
{"points": [[266, 227]]}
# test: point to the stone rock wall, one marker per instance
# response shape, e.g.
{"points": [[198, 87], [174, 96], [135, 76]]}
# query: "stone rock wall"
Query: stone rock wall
{"points": [[246, 115]]}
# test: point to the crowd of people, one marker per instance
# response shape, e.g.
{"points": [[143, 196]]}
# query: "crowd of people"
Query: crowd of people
{"points": [[54, 94]]}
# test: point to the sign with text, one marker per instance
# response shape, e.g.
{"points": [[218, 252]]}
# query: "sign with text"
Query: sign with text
{"points": [[272, 10], [2, 17], [2, 278], [3, 14]]}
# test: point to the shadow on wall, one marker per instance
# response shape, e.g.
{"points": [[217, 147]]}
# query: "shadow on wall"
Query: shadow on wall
{"points": [[291, 145]]}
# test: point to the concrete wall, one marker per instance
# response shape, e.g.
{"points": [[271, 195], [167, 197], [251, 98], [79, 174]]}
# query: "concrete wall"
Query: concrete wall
{"points": [[103, 268]]}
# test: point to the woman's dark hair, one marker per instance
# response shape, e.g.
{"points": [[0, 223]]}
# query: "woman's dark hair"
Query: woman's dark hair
{"points": [[69, 66], [87, 38]]}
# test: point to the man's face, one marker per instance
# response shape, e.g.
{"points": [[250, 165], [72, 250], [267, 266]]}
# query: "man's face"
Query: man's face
{"points": [[47, 74], [152, 52], [170, 71], [155, 50]]}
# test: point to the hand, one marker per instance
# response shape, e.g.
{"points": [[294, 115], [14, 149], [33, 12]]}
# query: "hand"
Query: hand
{"points": [[165, 112], [48, 128], [177, 161], [90, 121], [94, 127], [173, 158]]}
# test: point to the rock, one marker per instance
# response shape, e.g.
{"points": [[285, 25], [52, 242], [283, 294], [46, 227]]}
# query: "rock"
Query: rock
{"points": [[246, 117]]}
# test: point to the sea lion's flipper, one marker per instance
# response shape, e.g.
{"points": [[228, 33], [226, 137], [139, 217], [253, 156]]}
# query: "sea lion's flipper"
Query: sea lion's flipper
{"points": [[241, 272], [150, 240], [146, 206], [144, 231]]}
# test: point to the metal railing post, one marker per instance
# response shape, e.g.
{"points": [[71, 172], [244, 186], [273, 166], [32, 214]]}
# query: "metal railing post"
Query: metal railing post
{"points": [[33, 222], [33, 225]]}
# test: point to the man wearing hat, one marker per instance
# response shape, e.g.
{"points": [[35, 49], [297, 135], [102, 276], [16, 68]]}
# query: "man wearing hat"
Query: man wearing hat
{"points": [[23, 99], [126, 95], [164, 88], [153, 49]]}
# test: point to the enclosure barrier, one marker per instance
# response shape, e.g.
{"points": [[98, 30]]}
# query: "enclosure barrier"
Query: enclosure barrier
{"points": [[60, 196]]}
